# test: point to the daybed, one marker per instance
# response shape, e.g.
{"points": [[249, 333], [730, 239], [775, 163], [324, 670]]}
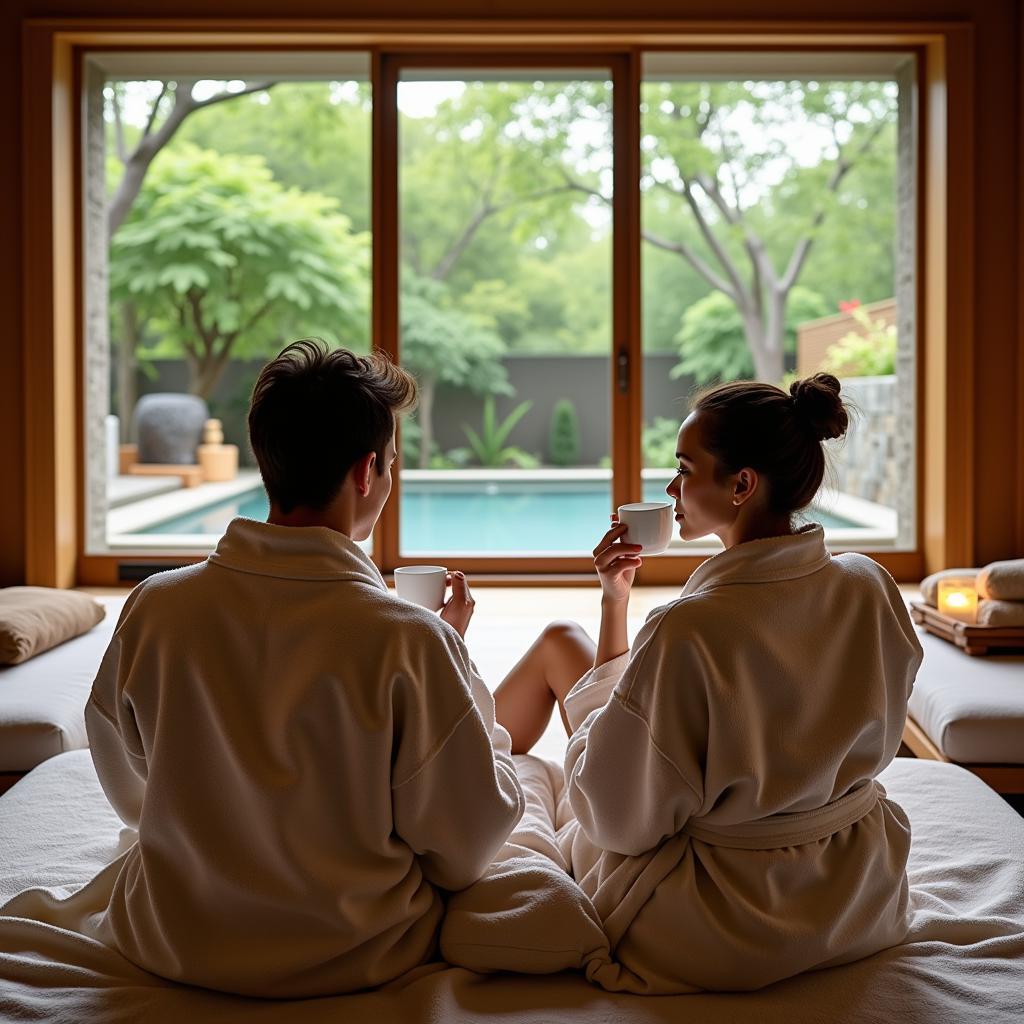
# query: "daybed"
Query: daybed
{"points": [[42, 700], [970, 711], [963, 961]]}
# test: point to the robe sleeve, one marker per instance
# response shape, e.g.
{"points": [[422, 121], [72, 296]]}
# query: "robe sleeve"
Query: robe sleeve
{"points": [[456, 809], [626, 790], [114, 740]]}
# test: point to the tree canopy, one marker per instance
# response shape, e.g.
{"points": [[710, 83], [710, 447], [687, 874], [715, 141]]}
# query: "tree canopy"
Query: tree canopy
{"points": [[225, 261], [751, 191]]}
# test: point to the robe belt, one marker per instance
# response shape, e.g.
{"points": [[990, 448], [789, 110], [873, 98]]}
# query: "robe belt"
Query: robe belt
{"points": [[794, 829]]}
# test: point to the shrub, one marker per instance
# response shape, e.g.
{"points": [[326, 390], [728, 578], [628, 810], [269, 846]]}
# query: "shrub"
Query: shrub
{"points": [[659, 443], [564, 437], [870, 352]]}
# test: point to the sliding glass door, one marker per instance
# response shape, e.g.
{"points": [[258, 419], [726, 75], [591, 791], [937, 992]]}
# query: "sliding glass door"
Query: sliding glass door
{"points": [[504, 253]]}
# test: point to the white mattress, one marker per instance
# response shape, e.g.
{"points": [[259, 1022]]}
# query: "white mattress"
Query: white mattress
{"points": [[963, 961], [42, 700], [972, 708]]}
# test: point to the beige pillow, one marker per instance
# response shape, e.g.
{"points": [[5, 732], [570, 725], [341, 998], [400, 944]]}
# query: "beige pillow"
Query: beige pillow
{"points": [[34, 619]]}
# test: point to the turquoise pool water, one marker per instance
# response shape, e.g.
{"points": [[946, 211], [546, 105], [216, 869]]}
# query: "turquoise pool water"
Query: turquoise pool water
{"points": [[487, 516]]}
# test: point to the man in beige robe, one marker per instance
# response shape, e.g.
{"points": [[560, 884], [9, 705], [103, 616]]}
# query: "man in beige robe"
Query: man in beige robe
{"points": [[308, 761]]}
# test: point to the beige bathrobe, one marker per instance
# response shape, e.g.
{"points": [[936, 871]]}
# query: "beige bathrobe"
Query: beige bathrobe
{"points": [[307, 759], [725, 820]]}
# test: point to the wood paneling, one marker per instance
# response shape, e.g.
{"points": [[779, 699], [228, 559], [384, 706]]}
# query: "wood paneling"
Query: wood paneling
{"points": [[49, 362]]}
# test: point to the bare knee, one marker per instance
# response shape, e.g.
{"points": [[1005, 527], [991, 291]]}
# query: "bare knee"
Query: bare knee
{"points": [[569, 646], [565, 632]]}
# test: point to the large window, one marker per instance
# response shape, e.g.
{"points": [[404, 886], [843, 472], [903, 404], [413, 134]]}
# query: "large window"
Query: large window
{"points": [[229, 200], [778, 241], [237, 215]]}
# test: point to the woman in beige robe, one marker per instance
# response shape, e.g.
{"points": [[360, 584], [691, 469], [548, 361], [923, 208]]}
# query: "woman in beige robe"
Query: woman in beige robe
{"points": [[721, 809]]}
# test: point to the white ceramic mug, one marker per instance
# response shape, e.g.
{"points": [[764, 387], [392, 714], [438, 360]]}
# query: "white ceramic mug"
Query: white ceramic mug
{"points": [[649, 524], [421, 584]]}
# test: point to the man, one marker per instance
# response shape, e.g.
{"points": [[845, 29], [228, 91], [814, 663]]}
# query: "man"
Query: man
{"points": [[308, 760]]}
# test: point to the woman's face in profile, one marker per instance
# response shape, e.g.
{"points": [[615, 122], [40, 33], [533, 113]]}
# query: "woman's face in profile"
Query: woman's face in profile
{"points": [[703, 502]]}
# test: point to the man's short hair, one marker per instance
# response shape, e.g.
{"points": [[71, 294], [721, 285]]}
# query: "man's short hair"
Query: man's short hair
{"points": [[315, 412]]}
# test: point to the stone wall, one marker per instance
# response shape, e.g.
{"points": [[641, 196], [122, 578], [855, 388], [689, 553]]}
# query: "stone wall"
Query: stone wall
{"points": [[866, 462]]}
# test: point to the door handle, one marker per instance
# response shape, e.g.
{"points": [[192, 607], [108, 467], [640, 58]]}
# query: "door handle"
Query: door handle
{"points": [[622, 370]]}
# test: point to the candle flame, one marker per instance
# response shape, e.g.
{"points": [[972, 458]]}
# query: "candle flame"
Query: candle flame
{"points": [[957, 600]]}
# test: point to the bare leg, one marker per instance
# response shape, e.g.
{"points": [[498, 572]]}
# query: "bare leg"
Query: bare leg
{"points": [[542, 678]]}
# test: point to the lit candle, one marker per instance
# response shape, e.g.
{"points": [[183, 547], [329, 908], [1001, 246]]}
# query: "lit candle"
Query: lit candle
{"points": [[958, 599]]}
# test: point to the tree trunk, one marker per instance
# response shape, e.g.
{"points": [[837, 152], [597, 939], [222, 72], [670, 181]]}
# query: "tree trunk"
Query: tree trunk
{"points": [[425, 415], [775, 335], [128, 188], [765, 351], [204, 375], [127, 368]]}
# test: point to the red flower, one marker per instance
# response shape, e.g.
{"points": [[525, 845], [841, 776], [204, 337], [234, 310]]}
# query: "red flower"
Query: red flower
{"points": [[849, 306]]}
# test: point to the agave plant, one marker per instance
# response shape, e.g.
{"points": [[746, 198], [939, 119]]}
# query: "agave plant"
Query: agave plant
{"points": [[489, 445]]}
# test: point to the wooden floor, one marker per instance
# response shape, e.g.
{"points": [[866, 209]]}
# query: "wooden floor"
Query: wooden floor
{"points": [[508, 619]]}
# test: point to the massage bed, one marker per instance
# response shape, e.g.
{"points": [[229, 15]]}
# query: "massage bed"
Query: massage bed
{"points": [[42, 700], [963, 960], [969, 711]]}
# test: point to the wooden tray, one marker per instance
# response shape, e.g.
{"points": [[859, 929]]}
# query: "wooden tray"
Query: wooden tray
{"points": [[970, 639]]}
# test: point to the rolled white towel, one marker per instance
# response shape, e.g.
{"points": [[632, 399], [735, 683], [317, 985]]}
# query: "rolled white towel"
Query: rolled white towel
{"points": [[930, 584], [1001, 613], [1002, 581]]}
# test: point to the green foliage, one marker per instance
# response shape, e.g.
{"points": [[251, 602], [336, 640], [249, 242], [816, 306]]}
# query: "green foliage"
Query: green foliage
{"points": [[225, 262], [412, 438], [440, 343], [505, 236], [659, 443], [868, 354], [314, 136], [489, 445], [712, 343], [564, 435]]}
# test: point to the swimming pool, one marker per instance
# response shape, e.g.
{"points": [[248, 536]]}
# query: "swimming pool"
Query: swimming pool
{"points": [[472, 516]]}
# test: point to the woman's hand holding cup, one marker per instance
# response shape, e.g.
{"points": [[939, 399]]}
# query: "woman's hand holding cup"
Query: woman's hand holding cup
{"points": [[616, 563]]}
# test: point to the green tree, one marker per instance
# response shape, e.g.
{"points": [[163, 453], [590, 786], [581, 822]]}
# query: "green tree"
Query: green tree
{"points": [[699, 155], [225, 262], [314, 136], [443, 345], [131, 151], [564, 435], [713, 342]]}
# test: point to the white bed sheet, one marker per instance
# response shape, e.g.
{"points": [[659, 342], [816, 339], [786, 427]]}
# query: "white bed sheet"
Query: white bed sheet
{"points": [[42, 700], [964, 960]]}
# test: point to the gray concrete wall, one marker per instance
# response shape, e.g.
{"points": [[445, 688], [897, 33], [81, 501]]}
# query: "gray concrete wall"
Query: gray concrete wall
{"points": [[585, 380]]}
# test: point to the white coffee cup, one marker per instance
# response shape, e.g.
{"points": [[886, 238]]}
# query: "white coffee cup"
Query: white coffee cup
{"points": [[421, 584], [649, 524]]}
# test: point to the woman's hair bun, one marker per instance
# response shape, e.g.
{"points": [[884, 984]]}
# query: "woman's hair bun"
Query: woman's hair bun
{"points": [[817, 403]]}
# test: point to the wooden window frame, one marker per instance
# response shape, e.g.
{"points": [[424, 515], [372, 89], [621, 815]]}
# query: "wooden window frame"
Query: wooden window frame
{"points": [[53, 339]]}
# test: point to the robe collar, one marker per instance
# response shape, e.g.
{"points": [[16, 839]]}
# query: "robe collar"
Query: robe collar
{"points": [[763, 561], [294, 553]]}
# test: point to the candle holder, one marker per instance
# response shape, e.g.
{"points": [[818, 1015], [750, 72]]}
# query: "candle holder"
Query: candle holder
{"points": [[958, 599]]}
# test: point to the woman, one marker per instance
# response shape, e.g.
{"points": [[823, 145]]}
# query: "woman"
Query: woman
{"points": [[721, 809]]}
